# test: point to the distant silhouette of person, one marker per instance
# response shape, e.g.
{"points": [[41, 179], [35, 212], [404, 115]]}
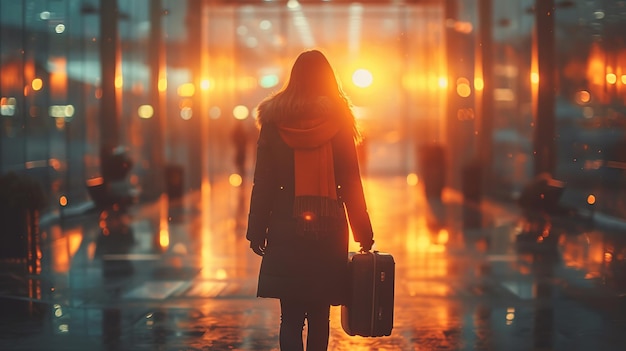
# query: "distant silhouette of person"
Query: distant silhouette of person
{"points": [[240, 141], [306, 172]]}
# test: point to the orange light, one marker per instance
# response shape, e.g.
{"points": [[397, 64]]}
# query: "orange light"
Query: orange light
{"points": [[463, 27], [95, 181], [479, 84], [164, 238], [611, 78], [534, 78], [443, 236], [164, 230], [463, 90], [362, 78], [186, 90], [412, 179], [55, 163], [205, 84], [443, 82], [583, 97], [162, 85], [37, 84], [241, 112], [145, 111], [235, 180], [58, 78], [63, 201], [119, 82], [185, 103], [591, 199]]}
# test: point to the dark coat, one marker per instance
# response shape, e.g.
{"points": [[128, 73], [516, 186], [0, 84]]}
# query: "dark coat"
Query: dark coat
{"points": [[294, 266]]}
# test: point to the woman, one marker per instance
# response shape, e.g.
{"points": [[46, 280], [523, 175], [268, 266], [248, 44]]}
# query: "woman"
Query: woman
{"points": [[306, 174]]}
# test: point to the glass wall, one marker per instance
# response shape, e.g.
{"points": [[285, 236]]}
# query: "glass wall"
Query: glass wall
{"points": [[179, 90], [45, 116], [589, 106], [590, 110]]}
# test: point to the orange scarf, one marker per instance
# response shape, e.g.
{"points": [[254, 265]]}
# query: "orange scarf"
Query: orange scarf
{"points": [[315, 204]]}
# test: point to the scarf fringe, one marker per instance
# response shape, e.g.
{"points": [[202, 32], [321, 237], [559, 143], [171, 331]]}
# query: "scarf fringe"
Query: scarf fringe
{"points": [[316, 215]]}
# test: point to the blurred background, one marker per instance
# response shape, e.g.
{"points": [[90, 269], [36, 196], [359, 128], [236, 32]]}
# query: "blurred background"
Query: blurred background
{"points": [[112, 101]]}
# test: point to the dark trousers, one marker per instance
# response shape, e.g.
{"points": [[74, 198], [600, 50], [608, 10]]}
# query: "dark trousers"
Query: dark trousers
{"points": [[293, 314]]}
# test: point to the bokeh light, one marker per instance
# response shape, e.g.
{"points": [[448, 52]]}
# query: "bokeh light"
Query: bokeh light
{"points": [[241, 112], [37, 84], [145, 111], [362, 78]]}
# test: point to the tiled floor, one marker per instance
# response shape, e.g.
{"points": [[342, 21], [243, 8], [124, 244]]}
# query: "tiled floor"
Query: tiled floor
{"points": [[180, 276]]}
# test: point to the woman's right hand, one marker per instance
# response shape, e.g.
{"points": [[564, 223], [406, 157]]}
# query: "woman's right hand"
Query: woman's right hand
{"points": [[366, 246]]}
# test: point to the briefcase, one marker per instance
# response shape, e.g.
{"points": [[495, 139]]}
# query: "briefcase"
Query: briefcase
{"points": [[369, 308]]}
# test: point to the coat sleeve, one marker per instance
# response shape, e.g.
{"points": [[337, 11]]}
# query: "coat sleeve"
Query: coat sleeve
{"points": [[261, 197], [351, 187]]}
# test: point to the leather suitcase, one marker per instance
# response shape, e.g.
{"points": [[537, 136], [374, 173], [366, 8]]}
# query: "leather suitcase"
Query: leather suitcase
{"points": [[369, 309]]}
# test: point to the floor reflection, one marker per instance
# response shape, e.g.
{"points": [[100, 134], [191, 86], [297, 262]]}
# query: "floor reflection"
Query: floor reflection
{"points": [[180, 275]]}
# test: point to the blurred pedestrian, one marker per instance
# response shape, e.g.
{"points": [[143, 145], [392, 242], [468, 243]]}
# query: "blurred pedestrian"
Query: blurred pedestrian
{"points": [[306, 173], [240, 141]]}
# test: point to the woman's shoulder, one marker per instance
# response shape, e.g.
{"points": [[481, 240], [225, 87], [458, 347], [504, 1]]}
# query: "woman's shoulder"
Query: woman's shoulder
{"points": [[268, 111]]}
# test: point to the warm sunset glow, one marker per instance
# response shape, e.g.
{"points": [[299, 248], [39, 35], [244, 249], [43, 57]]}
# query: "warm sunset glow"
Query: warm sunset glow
{"points": [[362, 78]]}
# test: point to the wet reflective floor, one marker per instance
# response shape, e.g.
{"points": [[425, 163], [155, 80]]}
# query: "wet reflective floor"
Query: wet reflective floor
{"points": [[178, 275]]}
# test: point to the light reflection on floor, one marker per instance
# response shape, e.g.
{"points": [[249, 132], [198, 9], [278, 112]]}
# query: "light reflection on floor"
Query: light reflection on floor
{"points": [[456, 288]]}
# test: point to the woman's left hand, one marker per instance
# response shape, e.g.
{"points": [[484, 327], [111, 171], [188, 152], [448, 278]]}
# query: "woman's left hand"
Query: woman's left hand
{"points": [[258, 246]]}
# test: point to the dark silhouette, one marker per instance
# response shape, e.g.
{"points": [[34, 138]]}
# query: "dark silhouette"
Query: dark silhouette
{"points": [[240, 141], [306, 172]]}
